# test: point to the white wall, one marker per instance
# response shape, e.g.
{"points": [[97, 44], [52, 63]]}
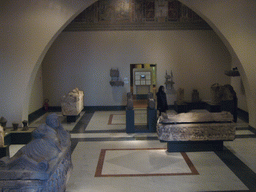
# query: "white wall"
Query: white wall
{"points": [[27, 30], [198, 59], [36, 97]]}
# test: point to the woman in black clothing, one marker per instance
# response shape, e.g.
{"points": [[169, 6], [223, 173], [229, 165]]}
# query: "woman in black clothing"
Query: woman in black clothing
{"points": [[161, 100]]}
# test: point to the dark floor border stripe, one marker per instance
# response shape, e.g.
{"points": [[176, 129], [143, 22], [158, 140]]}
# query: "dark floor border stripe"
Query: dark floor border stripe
{"points": [[83, 122], [105, 108], [242, 171], [113, 139], [73, 145], [35, 115], [243, 115], [252, 129]]}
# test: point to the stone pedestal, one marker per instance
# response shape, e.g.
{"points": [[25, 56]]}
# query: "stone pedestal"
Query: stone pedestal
{"points": [[4, 151], [196, 105], [152, 119], [130, 128], [213, 107], [72, 118], [193, 146], [180, 108]]}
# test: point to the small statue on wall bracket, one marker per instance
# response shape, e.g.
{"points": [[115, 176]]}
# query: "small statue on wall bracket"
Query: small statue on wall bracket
{"points": [[195, 96], [114, 74], [169, 80]]}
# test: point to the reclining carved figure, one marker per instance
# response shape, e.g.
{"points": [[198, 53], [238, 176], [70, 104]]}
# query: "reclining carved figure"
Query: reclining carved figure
{"points": [[49, 141]]}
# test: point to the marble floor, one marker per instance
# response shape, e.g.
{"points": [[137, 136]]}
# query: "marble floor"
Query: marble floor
{"points": [[107, 159]]}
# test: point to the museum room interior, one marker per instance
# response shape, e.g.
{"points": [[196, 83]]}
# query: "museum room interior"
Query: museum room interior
{"points": [[100, 52]]}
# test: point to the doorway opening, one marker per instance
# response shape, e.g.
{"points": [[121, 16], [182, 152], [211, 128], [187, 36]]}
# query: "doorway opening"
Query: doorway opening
{"points": [[142, 81]]}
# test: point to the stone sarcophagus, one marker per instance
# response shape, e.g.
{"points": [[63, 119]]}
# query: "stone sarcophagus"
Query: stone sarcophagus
{"points": [[73, 103], [44, 164], [209, 129]]}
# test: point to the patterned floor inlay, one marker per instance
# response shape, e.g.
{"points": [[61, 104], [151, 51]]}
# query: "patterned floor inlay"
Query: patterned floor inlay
{"points": [[143, 162], [120, 119]]}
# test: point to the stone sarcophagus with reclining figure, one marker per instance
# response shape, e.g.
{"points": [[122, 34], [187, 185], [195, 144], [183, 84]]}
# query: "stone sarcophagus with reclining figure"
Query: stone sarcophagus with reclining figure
{"points": [[43, 165]]}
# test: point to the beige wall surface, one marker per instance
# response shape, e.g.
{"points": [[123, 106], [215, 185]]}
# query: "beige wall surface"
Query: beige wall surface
{"points": [[197, 59], [30, 27], [234, 22], [36, 97], [27, 30]]}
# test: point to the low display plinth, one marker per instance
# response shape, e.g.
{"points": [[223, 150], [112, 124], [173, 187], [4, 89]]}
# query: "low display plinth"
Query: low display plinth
{"points": [[72, 118], [4, 151], [213, 107], [15, 137], [196, 105], [180, 108], [18, 137], [151, 119], [193, 146]]}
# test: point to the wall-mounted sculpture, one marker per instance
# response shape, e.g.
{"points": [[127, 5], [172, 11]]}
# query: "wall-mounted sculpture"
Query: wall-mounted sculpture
{"points": [[180, 96], [169, 80], [195, 96], [233, 73], [114, 74]]}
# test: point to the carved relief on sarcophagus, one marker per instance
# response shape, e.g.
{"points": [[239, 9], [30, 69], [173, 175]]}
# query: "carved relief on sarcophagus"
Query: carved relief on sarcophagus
{"points": [[194, 126]]}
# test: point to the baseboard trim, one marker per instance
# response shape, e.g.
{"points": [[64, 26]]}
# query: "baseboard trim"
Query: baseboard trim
{"points": [[35, 115], [104, 108], [252, 129], [54, 109], [243, 115]]}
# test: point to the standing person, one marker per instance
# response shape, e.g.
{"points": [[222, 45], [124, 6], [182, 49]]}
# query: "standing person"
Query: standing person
{"points": [[161, 100], [234, 108]]}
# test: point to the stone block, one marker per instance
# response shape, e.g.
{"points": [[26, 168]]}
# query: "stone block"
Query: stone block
{"points": [[73, 103]]}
